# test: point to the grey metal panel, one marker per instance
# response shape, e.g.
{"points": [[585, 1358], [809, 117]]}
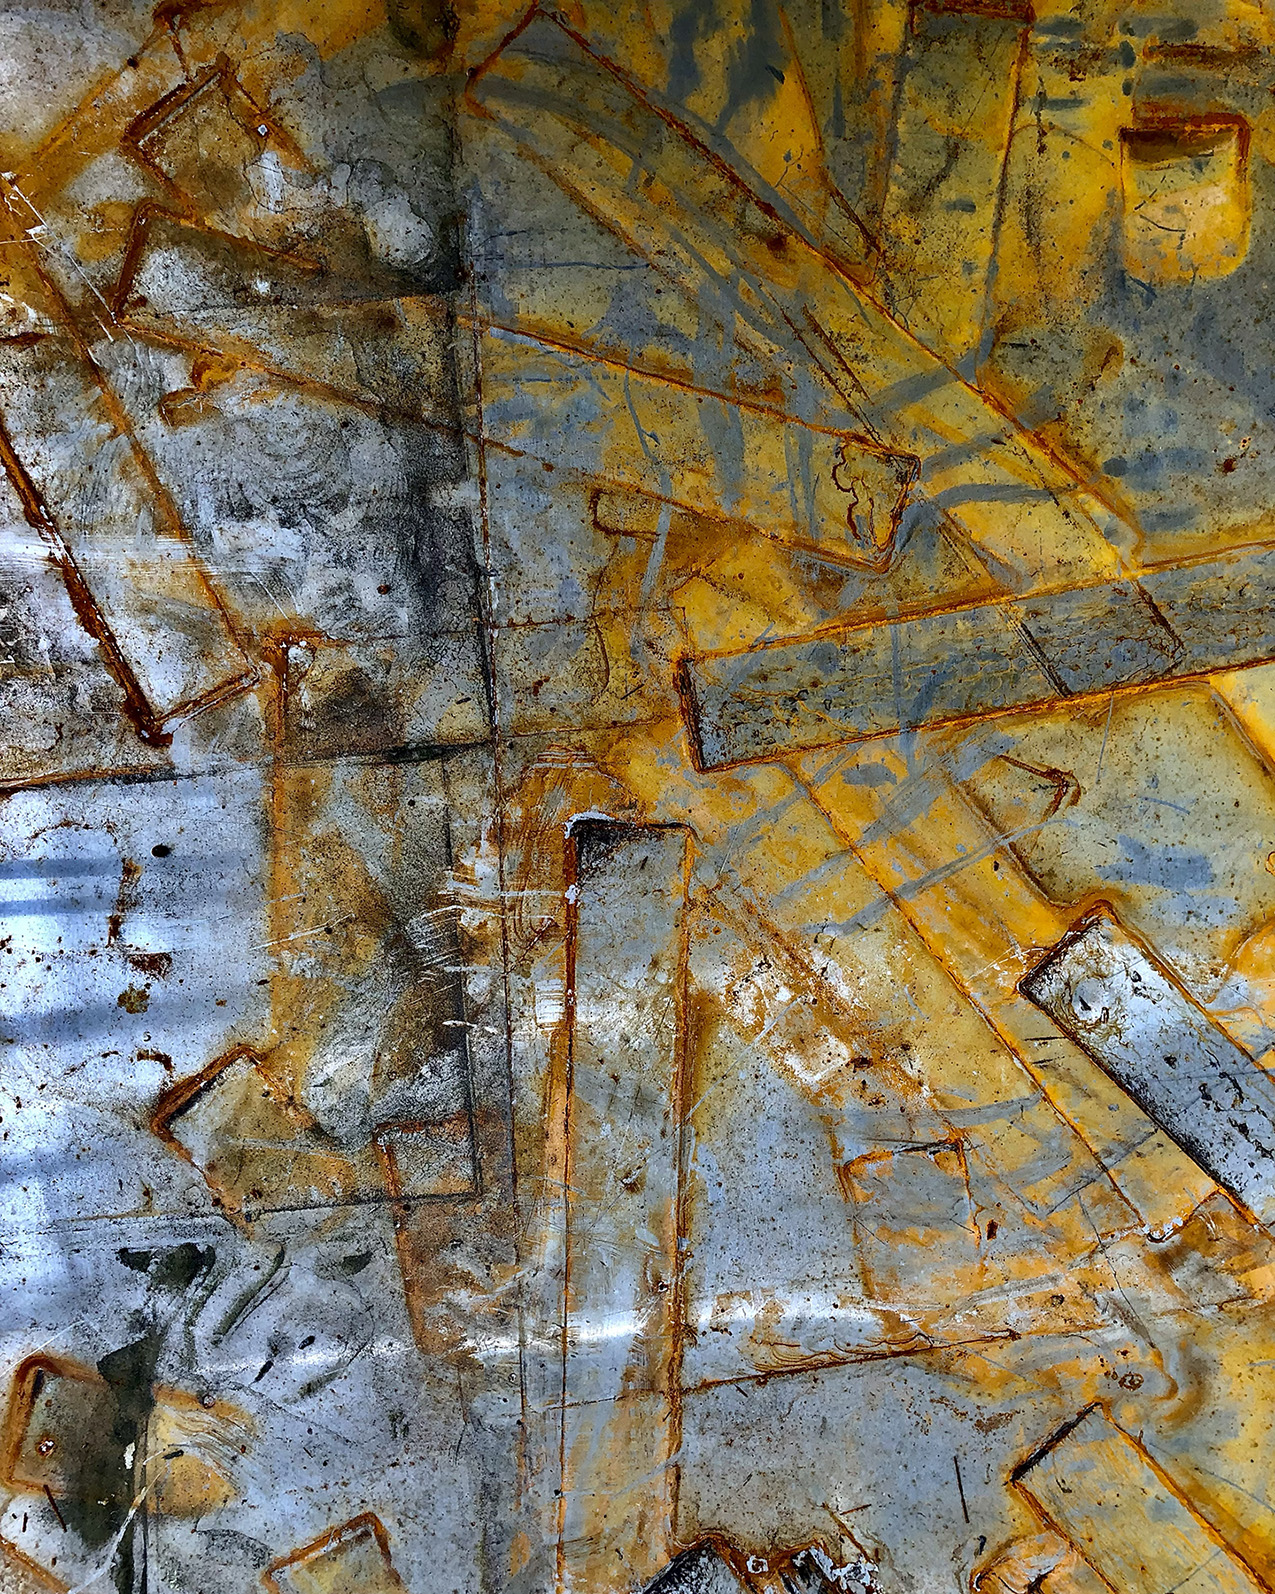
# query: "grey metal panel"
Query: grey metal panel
{"points": [[1100, 637], [863, 683], [1101, 987], [625, 974], [983, 660]]}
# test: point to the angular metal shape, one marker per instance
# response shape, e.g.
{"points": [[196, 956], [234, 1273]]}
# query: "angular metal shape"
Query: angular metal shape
{"points": [[955, 115], [839, 492], [621, 1342], [990, 658], [258, 1151], [59, 1428], [654, 184], [19, 1574], [203, 139], [355, 1555], [1102, 987], [871, 682], [378, 341], [86, 485], [1100, 637]]}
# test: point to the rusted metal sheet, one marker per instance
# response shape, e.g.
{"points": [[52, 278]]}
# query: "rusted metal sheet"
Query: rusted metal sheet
{"points": [[636, 801]]}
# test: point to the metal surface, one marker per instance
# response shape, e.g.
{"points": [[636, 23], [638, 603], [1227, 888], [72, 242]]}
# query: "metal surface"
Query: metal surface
{"points": [[635, 711]]}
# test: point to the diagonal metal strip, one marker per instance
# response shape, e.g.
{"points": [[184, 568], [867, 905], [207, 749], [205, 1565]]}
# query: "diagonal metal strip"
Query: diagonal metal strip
{"points": [[1102, 988], [967, 663]]}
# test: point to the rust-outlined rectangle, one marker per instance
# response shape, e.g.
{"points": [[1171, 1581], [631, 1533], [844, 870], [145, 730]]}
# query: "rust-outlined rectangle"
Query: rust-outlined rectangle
{"points": [[622, 1303], [1103, 989], [969, 662]]}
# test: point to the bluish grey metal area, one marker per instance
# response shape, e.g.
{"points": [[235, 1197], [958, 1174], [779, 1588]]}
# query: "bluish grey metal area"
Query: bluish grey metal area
{"points": [[967, 663], [1102, 988], [476, 1115]]}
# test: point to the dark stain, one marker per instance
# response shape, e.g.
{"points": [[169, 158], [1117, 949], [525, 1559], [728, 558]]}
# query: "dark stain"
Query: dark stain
{"points": [[156, 964], [426, 27]]}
